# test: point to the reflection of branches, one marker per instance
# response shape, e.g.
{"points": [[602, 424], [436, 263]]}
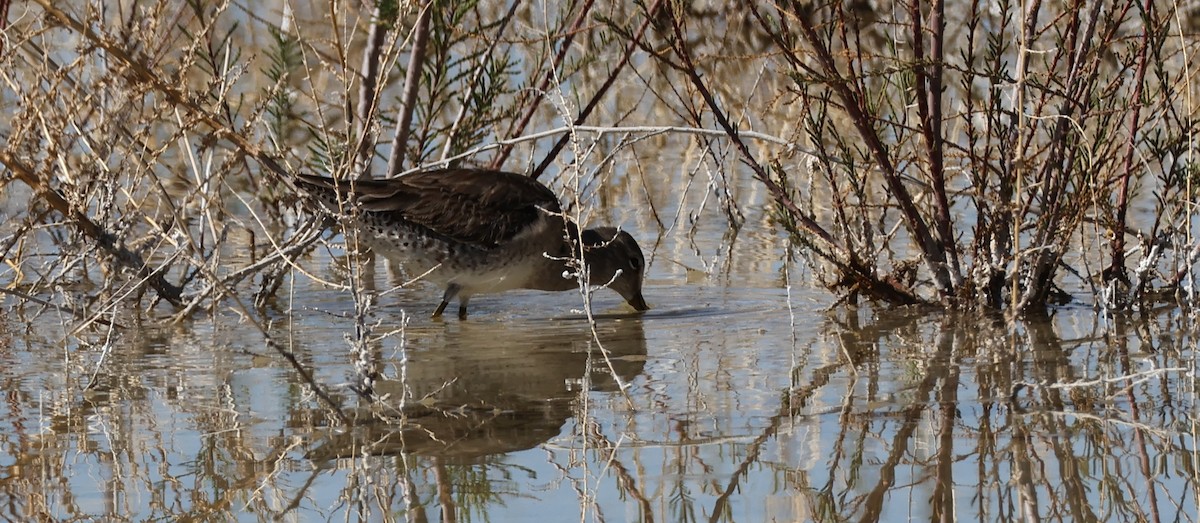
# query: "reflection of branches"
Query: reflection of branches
{"points": [[87, 319], [277, 462], [793, 404], [301, 492], [626, 482], [1022, 476], [948, 381], [1130, 380], [606, 451], [887, 470], [1142, 428]]}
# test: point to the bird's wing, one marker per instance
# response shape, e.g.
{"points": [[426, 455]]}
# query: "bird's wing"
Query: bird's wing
{"points": [[468, 205]]}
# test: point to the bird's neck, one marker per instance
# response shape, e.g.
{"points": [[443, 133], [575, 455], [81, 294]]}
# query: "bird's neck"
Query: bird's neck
{"points": [[560, 269]]}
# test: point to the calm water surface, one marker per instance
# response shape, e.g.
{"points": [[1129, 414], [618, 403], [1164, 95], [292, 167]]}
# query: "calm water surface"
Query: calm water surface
{"points": [[738, 397]]}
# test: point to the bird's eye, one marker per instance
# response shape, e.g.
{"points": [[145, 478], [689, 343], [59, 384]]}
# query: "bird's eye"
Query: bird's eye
{"points": [[635, 263]]}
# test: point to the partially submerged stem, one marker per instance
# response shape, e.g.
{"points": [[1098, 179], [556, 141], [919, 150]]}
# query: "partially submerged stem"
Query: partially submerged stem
{"points": [[863, 277]]}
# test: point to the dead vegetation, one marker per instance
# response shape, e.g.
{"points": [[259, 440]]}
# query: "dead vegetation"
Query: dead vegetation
{"points": [[972, 158]]}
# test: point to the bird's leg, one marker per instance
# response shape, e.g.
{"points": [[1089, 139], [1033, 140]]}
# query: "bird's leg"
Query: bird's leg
{"points": [[462, 307], [451, 291]]}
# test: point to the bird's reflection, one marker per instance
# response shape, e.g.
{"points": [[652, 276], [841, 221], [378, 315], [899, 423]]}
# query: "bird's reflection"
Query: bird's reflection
{"points": [[475, 389]]}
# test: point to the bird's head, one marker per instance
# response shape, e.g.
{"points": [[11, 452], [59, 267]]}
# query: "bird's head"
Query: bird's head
{"points": [[608, 250]]}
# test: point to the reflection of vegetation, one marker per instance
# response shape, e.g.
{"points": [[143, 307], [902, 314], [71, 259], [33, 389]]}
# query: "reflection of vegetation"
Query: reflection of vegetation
{"points": [[1062, 449]]}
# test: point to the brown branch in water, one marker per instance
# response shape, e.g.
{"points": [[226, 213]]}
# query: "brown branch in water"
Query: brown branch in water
{"points": [[1060, 213], [1116, 269], [412, 85], [929, 107], [854, 103], [856, 274], [854, 271]]}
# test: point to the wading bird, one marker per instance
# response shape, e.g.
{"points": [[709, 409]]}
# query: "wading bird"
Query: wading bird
{"points": [[477, 231]]}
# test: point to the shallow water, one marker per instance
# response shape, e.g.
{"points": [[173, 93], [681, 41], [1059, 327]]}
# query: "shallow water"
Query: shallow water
{"points": [[736, 398], [740, 396]]}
